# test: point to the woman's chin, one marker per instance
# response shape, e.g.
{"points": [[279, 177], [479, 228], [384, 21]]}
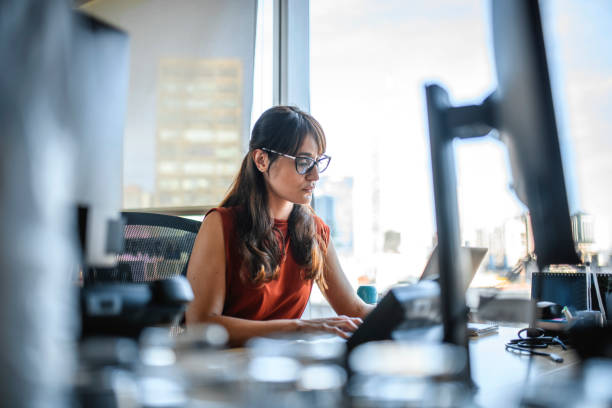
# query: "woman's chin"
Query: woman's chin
{"points": [[305, 199]]}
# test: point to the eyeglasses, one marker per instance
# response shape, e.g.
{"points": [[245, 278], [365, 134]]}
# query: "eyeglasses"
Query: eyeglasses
{"points": [[303, 164]]}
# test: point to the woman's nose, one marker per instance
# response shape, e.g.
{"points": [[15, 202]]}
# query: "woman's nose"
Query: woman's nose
{"points": [[313, 174]]}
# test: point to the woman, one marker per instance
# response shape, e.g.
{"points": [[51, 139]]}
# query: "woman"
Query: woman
{"points": [[257, 254]]}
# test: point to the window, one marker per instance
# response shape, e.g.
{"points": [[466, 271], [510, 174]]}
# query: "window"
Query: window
{"points": [[369, 64], [190, 97]]}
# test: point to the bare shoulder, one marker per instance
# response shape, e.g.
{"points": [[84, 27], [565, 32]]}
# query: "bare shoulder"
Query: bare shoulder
{"points": [[212, 224], [209, 245], [206, 270]]}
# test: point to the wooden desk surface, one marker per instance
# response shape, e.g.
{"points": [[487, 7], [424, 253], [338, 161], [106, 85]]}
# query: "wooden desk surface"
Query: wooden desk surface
{"points": [[500, 375]]}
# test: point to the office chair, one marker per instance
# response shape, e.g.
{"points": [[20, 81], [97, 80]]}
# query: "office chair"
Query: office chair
{"points": [[157, 247], [148, 285]]}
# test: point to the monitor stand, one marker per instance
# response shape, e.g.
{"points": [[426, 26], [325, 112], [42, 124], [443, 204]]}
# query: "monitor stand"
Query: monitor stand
{"points": [[445, 124]]}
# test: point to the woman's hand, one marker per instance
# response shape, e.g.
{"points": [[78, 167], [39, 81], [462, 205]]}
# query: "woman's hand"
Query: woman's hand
{"points": [[342, 326]]}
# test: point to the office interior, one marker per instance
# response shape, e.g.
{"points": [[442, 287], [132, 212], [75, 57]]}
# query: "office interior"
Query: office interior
{"points": [[116, 111]]}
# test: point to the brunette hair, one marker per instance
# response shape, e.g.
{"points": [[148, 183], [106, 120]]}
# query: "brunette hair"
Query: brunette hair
{"points": [[283, 129]]}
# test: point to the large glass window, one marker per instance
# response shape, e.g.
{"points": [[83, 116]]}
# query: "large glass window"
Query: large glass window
{"points": [[190, 97], [369, 64]]}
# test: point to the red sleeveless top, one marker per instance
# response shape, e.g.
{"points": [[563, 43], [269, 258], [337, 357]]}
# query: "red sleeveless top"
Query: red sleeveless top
{"points": [[283, 298]]}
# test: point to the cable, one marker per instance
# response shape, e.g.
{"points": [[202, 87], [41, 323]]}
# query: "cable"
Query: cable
{"points": [[538, 342], [530, 339], [554, 357]]}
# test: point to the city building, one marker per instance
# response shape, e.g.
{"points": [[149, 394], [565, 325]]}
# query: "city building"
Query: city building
{"points": [[198, 132]]}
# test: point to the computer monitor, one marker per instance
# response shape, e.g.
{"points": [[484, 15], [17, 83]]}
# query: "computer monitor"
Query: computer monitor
{"points": [[525, 118], [522, 110], [98, 88]]}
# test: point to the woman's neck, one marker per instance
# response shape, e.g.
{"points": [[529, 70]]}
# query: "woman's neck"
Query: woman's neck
{"points": [[279, 209]]}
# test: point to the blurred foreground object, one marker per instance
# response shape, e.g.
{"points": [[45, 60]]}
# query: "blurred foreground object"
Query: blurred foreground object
{"points": [[118, 372], [37, 251], [304, 372], [399, 374], [126, 309]]}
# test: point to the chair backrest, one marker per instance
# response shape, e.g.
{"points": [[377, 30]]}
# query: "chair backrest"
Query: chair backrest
{"points": [[157, 246]]}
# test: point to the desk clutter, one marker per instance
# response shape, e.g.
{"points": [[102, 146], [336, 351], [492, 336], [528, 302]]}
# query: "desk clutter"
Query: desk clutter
{"points": [[157, 367], [192, 369], [576, 305], [574, 291], [512, 379]]}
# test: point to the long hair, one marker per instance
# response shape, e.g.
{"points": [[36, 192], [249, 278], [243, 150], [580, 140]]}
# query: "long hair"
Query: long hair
{"points": [[283, 129]]}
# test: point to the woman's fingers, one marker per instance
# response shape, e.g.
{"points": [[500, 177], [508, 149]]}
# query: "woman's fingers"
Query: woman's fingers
{"points": [[341, 318], [347, 325], [350, 323], [339, 325], [335, 330]]}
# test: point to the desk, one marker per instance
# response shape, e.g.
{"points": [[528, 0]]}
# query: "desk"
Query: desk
{"points": [[500, 375]]}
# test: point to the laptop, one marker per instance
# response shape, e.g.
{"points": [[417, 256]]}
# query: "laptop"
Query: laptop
{"points": [[471, 257], [414, 308]]}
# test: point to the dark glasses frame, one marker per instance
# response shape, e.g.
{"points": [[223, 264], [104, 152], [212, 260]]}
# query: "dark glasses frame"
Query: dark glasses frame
{"points": [[322, 162]]}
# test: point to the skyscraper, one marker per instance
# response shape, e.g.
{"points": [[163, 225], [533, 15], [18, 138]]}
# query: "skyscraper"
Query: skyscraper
{"points": [[199, 128]]}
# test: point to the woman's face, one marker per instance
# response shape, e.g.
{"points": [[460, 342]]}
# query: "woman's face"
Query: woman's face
{"points": [[284, 182]]}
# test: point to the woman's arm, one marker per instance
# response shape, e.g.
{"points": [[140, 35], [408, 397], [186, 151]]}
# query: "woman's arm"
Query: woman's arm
{"points": [[206, 273], [241, 330], [339, 292]]}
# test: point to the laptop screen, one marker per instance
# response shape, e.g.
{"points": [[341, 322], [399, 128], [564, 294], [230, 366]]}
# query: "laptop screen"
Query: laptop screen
{"points": [[470, 257]]}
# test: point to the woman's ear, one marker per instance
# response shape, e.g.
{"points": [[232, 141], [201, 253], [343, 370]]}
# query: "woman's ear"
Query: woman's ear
{"points": [[261, 160]]}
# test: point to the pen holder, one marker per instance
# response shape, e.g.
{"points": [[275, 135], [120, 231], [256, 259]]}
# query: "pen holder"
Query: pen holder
{"points": [[368, 293]]}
